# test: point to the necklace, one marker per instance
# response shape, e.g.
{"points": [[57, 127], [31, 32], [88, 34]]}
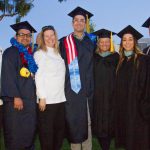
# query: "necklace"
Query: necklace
{"points": [[32, 66]]}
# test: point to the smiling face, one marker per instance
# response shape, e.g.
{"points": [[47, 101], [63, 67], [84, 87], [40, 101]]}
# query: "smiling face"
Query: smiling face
{"points": [[49, 38], [24, 37], [79, 23], [128, 42], [104, 44]]}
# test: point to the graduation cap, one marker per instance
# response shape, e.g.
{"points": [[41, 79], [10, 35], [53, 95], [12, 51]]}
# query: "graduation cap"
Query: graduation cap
{"points": [[23, 25], [146, 23], [80, 11], [103, 33], [131, 30]]}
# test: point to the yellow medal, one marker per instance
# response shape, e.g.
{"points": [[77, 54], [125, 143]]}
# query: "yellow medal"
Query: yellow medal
{"points": [[24, 72]]}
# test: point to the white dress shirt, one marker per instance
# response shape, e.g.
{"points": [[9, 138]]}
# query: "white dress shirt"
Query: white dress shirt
{"points": [[50, 76]]}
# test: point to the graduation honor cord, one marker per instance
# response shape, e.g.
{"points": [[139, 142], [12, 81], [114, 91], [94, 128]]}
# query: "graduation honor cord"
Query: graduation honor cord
{"points": [[27, 57], [73, 65]]}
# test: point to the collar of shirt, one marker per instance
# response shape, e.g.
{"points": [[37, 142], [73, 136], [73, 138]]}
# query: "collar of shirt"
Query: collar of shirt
{"points": [[128, 53], [105, 54], [79, 38]]}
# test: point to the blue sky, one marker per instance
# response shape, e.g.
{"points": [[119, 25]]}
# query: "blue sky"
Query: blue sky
{"points": [[109, 14]]}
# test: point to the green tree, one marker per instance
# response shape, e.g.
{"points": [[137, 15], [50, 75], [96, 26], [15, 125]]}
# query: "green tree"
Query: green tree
{"points": [[61, 0], [18, 8], [92, 26]]}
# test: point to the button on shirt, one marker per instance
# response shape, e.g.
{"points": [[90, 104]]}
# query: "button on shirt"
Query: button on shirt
{"points": [[50, 77]]}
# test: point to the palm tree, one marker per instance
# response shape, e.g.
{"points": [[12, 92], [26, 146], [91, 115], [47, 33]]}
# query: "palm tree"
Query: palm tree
{"points": [[23, 7], [61, 0], [18, 8]]}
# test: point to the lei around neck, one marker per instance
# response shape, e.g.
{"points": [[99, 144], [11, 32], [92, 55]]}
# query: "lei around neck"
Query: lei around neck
{"points": [[32, 66]]}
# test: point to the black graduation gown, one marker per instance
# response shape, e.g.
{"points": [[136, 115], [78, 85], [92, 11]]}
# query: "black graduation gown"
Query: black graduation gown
{"points": [[76, 105], [147, 50], [0, 118], [104, 83], [19, 126], [132, 107]]}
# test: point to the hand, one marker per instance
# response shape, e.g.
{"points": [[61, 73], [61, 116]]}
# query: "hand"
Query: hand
{"points": [[18, 103], [42, 104]]}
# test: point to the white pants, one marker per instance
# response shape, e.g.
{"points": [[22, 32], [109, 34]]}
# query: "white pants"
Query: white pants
{"points": [[87, 144]]}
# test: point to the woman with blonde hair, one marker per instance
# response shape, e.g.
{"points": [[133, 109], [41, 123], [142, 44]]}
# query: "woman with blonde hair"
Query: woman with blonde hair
{"points": [[105, 63], [49, 80], [132, 107]]}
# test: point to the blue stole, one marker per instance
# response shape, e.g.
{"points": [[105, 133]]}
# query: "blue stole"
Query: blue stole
{"points": [[73, 65]]}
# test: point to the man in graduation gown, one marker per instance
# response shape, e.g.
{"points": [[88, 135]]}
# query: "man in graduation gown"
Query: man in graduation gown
{"points": [[77, 50], [147, 25], [18, 90]]}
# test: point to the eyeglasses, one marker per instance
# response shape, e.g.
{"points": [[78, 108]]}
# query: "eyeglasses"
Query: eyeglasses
{"points": [[48, 28], [29, 35]]}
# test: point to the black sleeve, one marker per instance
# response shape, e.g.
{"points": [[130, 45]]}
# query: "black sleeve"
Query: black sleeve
{"points": [[9, 73], [144, 88], [62, 48]]}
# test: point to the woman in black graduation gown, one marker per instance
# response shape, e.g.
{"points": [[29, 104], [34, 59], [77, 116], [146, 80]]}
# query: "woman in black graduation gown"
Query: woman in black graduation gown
{"points": [[132, 94], [104, 77]]}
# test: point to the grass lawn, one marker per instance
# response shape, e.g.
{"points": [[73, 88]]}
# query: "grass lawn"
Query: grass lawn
{"points": [[65, 145]]}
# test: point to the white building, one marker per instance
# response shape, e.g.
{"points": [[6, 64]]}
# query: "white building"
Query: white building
{"points": [[143, 43]]}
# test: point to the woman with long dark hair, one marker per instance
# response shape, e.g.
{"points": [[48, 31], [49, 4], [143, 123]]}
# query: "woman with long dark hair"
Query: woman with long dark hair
{"points": [[132, 94]]}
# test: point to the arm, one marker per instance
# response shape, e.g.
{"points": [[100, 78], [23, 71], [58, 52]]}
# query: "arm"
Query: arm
{"points": [[62, 49], [10, 73], [39, 80], [144, 88], [10, 77]]}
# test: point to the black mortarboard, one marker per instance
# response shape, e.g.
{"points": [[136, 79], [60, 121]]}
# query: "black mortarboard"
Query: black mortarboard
{"points": [[80, 11], [146, 23], [23, 25], [103, 33], [131, 30]]}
